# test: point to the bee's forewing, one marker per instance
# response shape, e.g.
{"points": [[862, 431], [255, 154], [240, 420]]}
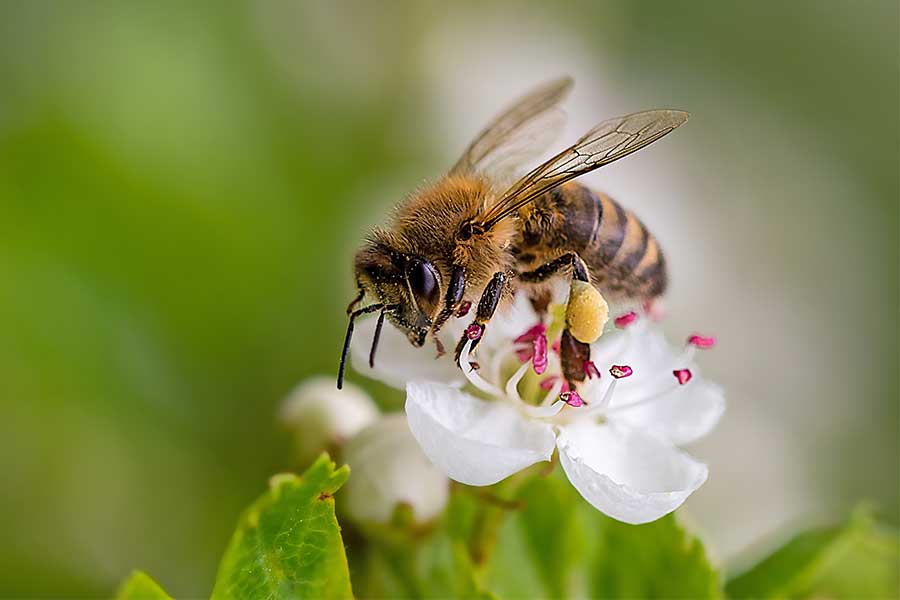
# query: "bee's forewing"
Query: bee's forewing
{"points": [[605, 143], [523, 131]]}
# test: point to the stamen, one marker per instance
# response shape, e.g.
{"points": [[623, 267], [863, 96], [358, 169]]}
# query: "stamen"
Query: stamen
{"points": [[654, 309], [701, 341], [472, 375], [623, 321], [464, 308], [572, 398], [559, 386], [543, 412], [682, 375], [555, 346], [539, 359], [474, 331], [619, 371], [547, 383], [607, 397], [532, 333], [512, 386], [494, 366], [591, 370]]}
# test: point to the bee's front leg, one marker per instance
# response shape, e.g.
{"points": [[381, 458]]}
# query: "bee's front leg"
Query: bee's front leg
{"points": [[490, 298], [452, 302]]}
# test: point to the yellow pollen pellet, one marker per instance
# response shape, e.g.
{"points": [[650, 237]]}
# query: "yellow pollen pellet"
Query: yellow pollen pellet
{"points": [[586, 313]]}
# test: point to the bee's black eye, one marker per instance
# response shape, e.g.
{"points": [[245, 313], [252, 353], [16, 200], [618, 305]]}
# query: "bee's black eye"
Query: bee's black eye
{"points": [[424, 285]]}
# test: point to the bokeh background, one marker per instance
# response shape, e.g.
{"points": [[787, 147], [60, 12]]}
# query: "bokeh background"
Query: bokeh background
{"points": [[182, 186]]}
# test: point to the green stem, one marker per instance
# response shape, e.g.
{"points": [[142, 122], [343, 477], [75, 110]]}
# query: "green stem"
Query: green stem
{"points": [[496, 503]]}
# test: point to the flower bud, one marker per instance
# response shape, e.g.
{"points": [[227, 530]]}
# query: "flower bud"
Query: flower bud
{"points": [[586, 312], [388, 469], [321, 416]]}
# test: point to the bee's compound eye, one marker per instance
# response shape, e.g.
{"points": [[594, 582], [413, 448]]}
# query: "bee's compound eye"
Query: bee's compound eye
{"points": [[424, 285]]}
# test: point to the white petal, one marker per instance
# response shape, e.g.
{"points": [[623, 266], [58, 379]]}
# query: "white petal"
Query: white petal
{"points": [[645, 349], [651, 399], [473, 441], [684, 414], [321, 415], [631, 476], [397, 361], [389, 468]]}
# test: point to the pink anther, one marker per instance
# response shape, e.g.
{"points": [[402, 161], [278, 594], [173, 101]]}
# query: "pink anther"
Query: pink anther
{"points": [[620, 371], [524, 354], [572, 398], [474, 331], [702, 341], [682, 375], [532, 333], [623, 321], [591, 370], [539, 358], [548, 382]]}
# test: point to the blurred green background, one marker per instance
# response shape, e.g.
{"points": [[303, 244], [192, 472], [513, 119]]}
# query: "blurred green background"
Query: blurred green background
{"points": [[182, 186]]}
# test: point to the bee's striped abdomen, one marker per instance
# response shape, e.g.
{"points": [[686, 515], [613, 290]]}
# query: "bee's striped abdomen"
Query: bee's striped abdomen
{"points": [[624, 254], [624, 257]]}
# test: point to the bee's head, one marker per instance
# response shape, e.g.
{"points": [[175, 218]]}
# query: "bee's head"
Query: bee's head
{"points": [[407, 285]]}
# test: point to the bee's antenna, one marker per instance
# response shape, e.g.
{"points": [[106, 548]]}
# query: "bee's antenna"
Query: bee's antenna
{"points": [[353, 315], [377, 337]]}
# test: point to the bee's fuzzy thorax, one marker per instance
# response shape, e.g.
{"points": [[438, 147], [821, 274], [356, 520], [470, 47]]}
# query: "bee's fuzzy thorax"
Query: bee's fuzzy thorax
{"points": [[429, 222]]}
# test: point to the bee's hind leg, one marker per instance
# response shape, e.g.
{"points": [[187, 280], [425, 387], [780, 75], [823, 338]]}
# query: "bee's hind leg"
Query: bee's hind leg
{"points": [[575, 355], [490, 298], [569, 260]]}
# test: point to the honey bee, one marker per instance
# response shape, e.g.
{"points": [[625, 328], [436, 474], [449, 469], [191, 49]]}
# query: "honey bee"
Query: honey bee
{"points": [[474, 237]]}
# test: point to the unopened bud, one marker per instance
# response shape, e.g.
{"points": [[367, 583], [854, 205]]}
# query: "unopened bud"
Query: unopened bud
{"points": [[586, 312], [321, 416], [389, 469]]}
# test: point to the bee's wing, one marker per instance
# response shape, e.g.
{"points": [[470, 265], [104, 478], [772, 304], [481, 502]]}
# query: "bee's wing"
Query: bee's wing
{"points": [[520, 132], [607, 142]]}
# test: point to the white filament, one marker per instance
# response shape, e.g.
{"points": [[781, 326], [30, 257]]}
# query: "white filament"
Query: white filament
{"points": [[472, 374]]}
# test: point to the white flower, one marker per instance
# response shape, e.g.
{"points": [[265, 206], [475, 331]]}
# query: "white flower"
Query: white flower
{"points": [[619, 449], [388, 468], [321, 416]]}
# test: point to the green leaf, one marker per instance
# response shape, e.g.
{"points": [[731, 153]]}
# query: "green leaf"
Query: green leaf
{"points": [[871, 569], [655, 560], [552, 530], [288, 543], [854, 560], [557, 545], [448, 571], [140, 586], [511, 570], [403, 559], [535, 548]]}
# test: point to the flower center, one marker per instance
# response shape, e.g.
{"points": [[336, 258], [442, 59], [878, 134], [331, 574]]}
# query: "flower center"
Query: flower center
{"points": [[546, 398]]}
